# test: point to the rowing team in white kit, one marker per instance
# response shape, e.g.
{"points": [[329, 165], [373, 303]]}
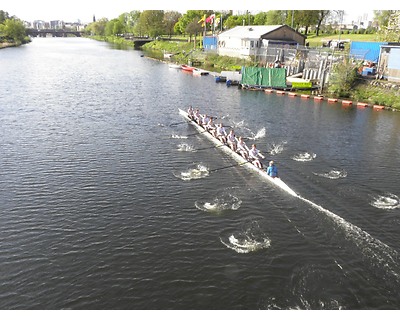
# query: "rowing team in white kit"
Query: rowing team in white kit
{"points": [[238, 145]]}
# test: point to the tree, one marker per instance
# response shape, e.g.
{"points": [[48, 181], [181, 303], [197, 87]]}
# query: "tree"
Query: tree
{"points": [[13, 30], [307, 18], [193, 28], [382, 16], [4, 16], [151, 22], [240, 20], [114, 27], [188, 17], [132, 18], [98, 28], [276, 17], [170, 20], [322, 15], [260, 19], [389, 25]]}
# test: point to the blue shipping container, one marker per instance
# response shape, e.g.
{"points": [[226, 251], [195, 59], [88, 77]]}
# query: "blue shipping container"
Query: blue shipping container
{"points": [[366, 50]]}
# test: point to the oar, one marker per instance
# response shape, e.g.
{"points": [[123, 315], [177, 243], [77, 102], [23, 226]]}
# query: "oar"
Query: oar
{"points": [[193, 134], [222, 145], [176, 123], [231, 166]]}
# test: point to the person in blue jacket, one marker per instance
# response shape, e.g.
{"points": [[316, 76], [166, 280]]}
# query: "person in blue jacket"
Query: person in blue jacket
{"points": [[272, 170]]}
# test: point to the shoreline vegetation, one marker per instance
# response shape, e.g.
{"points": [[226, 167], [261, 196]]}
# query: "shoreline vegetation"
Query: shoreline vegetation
{"points": [[364, 90]]}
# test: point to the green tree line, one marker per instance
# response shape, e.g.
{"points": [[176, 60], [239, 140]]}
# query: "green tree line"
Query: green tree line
{"points": [[153, 23], [12, 30]]}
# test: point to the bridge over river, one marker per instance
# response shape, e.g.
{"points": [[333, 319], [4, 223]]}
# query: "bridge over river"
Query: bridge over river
{"points": [[138, 41], [52, 32]]}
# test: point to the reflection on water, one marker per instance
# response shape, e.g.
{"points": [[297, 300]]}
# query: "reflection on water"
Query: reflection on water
{"points": [[92, 217]]}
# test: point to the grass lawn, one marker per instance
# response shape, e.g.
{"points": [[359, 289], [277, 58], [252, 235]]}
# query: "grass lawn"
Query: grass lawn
{"points": [[317, 41]]}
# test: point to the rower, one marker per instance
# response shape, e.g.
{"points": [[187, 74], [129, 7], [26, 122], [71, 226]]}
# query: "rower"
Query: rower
{"points": [[231, 139], [221, 133], [204, 120], [242, 148], [272, 170], [255, 155], [210, 127], [197, 116], [190, 112]]}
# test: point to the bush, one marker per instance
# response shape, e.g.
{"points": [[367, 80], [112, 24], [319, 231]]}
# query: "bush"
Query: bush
{"points": [[376, 95], [343, 79]]}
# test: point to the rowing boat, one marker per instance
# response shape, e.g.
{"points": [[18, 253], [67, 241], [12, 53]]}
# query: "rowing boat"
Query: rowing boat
{"points": [[226, 149], [185, 67]]}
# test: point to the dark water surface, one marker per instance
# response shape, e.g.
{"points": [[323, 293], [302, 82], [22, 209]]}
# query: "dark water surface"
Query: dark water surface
{"points": [[106, 201]]}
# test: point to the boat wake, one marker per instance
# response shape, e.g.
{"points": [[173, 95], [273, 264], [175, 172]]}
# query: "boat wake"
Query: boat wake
{"points": [[304, 156], [199, 172], [374, 252], [184, 147], [250, 239], [333, 174], [227, 200], [387, 201]]}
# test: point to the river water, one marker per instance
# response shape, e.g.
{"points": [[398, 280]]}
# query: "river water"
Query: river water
{"points": [[108, 200]]}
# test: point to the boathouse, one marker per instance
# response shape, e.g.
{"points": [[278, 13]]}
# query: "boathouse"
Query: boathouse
{"points": [[247, 41]]}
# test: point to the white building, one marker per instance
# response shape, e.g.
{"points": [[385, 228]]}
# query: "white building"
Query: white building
{"points": [[246, 41]]}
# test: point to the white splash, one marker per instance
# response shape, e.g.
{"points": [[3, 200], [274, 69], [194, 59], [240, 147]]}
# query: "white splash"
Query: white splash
{"points": [[239, 124], [250, 240], [222, 202], [333, 174], [304, 156], [246, 244], [388, 201], [277, 148], [200, 171], [175, 136], [185, 147], [260, 134]]}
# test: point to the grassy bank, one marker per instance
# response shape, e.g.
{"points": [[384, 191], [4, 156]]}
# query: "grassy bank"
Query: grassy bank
{"points": [[375, 92], [188, 51]]}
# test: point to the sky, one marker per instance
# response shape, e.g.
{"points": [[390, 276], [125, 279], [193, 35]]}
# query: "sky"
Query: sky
{"points": [[83, 10]]}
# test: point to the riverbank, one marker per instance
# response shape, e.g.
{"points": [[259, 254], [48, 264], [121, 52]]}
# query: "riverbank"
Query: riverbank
{"points": [[4, 45], [366, 92]]}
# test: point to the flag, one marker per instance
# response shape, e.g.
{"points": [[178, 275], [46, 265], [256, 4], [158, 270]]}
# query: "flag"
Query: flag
{"points": [[202, 21], [210, 19], [216, 22]]}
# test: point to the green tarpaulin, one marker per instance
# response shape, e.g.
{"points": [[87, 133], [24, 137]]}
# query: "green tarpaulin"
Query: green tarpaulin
{"points": [[264, 77]]}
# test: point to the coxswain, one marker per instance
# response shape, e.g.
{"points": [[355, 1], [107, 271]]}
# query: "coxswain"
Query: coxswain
{"points": [[272, 170]]}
